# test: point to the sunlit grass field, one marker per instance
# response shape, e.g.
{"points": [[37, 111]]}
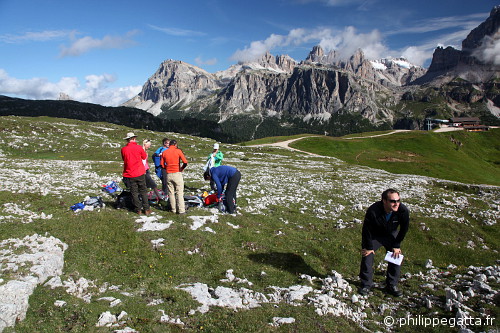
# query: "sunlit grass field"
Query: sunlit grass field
{"points": [[469, 157], [298, 214]]}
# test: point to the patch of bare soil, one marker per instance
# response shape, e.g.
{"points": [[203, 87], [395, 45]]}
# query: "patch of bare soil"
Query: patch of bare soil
{"points": [[392, 159]]}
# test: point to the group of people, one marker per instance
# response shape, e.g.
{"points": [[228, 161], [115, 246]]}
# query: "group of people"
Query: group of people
{"points": [[385, 224], [170, 162]]}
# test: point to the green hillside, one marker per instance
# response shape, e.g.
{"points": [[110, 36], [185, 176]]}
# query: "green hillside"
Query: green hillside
{"points": [[292, 251], [469, 157]]}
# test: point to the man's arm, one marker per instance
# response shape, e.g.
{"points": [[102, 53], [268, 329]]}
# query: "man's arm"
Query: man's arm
{"points": [[366, 232], [184, 161], [218, 184]]}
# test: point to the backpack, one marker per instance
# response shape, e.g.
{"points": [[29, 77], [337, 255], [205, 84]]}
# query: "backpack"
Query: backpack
{"points": [[111, 188], [193, 201], [156, 156], [153, 198], [124, 200]]}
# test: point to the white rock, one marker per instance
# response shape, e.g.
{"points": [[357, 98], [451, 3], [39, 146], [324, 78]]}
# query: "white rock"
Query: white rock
{"points": [[278, 321], [106, 319], [60, 304]]}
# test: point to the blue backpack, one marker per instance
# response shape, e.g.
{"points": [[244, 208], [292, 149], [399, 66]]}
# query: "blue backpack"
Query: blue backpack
{"points": [[156, 160]]}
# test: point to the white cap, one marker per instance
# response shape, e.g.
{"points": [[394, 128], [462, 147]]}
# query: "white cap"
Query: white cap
{"points": [[130, 135], [216, 146]]}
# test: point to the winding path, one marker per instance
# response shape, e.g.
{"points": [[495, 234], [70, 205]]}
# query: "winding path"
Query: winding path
{"points": [[286, 144]]}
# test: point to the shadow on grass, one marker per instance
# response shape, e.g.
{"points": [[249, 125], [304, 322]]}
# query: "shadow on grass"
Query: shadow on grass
{"points": [[290, 262]]}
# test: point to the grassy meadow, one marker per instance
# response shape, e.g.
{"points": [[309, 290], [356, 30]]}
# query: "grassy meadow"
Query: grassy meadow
{"points": [[298, 226], [469, 157]]}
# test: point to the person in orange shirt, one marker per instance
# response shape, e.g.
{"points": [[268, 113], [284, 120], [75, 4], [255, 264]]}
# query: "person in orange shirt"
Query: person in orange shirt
{"points": [[171, 161]]}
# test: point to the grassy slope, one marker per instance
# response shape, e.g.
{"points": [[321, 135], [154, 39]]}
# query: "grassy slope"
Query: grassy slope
{"points": [[477, 160], [297, 234]]}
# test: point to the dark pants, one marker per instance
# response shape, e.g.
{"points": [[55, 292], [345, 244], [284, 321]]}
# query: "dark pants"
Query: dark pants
{"points": [[137, 187], [164, 186], [366, 269], [150, 183], [231, 186]]}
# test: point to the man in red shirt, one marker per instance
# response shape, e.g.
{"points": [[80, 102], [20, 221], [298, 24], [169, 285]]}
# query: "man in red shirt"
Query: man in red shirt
{"points": [[170, 160], [134, 173]]}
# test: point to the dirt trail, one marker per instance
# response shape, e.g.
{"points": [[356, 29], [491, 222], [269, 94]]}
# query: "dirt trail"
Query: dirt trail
{"points": [[286, 144]]}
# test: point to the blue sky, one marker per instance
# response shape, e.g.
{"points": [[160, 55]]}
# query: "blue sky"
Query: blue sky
{"points": [[104, 51]]}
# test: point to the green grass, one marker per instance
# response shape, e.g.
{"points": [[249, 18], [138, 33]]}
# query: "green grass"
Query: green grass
{"points": [[273, 139], [290, 205], [473, 157]]}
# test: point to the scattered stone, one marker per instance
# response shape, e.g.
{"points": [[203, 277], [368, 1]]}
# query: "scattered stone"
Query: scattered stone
{"points": [[149, 223], [157, 243], [170, 320], [156, 302], [107, 319], [278, 321], [126, 330]]}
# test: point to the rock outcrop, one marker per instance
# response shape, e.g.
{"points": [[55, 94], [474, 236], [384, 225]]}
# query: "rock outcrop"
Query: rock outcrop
{"points": [[175, 83]]}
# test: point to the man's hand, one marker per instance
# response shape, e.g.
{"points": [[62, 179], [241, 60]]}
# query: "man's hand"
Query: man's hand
{"points": [[396, 253], [365, 252]]}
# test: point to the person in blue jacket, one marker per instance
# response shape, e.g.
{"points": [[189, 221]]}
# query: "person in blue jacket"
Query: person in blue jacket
{"points": [[223, 175], [159, 170]]}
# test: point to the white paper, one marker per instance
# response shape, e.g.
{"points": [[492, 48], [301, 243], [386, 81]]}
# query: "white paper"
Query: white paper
{"points": [[389, 258]]}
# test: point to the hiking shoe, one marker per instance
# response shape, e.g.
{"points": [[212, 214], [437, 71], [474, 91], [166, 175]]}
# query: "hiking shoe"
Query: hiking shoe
{"points": [[393, 290], [363, 291], [139, 213], [148, 212]]}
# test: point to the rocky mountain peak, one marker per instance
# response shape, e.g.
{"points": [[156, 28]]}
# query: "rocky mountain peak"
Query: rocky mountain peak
{"points": [[316, 54], [280, 63], [64, 97], [474, 62], [174, 82], [487, 28], [324, 83]]}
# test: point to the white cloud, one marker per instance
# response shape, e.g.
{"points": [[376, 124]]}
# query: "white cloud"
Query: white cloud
{"points": [[346, 42], [489, 51], [209, 62], [464, 23], [85, 44], [37, 36], [177, 31], [335, 3], [95, 90], [417, 56]]}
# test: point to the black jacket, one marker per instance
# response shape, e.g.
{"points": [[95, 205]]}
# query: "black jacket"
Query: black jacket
{"points": [[375, 226]]}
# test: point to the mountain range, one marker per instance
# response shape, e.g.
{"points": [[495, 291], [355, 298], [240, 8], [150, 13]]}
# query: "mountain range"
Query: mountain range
{"points": [[327, 94], [322, 94]]}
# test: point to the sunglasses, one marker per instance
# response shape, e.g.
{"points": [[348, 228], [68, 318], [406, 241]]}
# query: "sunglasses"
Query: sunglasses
{"points": [[395, 201]]}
